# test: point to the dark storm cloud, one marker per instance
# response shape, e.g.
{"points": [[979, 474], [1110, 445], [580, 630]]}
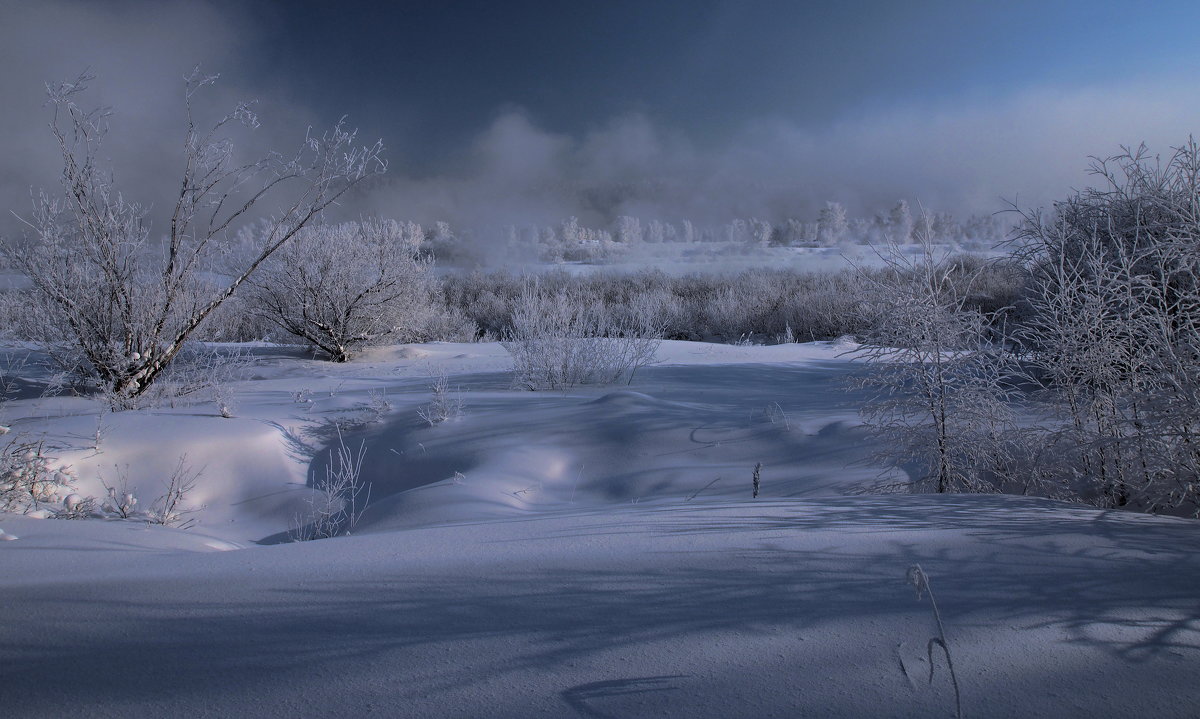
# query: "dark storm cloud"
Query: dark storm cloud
{"points": [[524, 113]]}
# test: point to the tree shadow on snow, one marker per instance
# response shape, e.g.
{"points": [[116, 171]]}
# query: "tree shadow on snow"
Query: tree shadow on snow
{"points": [[1116, 585]]}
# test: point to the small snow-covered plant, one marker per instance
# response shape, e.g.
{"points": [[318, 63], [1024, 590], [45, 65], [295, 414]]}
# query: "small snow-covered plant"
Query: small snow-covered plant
{"points": [[920, 581], [100, 433], [378, 404], [373, 410], [223, 398], [28, 478], [75, 506], [757, 479], [168, 509], [336, 505], [447, 404], [119, 498], [561, 339]]}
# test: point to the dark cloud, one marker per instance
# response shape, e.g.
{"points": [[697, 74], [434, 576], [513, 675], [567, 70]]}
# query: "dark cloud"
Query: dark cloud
{"points": [[963, 152]]}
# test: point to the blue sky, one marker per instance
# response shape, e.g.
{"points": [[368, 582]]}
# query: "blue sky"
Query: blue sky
{"points": [[497, 111], [707, 67]]}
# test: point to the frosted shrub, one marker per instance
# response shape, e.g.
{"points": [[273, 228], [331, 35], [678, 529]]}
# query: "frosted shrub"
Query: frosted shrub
{"points": [[560, 340], [342, 287], [29, 479], [120, 500], [936, 380], [339, 497], [125, 299], [75, 506], [447, 404], [759, 303], [1112, 332]]}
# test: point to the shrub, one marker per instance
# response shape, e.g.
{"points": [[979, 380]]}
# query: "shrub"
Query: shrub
{"points": [[29, 479], [560, 339], [1112, 331], [447, 404], [936, 380], [760, 303], [339, 497], [341, 287], [119, 305]]}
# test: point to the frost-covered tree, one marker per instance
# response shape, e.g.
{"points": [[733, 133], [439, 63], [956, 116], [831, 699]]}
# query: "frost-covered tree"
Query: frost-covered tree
{"points": [[341, 287], [629, 230], [656, 232], [124, 299], [688, 233], [935, 375], [831, 225], [924, 228], [737, 232], [900, 223], [761, 232], [550, 246], [790, 234]]}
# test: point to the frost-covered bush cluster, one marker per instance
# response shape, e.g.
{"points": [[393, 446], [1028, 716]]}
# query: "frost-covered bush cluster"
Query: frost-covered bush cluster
{"points": [[1102, 343], [118, 299], [33, 482], [763, 304], [29, 479], [1112, 334], [341, 287], [559, 339]]}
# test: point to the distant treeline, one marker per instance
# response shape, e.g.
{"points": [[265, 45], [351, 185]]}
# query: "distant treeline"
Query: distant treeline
{"points": [[570, 241]]}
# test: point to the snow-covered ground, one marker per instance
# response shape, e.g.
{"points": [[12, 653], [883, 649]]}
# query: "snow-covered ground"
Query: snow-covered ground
{"points": [[588, 553]]}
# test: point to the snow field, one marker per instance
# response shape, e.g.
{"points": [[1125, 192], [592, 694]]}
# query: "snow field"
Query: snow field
{"points": [[593, 552]]}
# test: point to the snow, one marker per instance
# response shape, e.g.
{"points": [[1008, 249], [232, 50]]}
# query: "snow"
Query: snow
{"points": [[587, 553]]}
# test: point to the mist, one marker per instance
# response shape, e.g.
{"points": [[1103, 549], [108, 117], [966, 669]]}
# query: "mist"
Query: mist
{"points": [[964, 153], [974, 155]]}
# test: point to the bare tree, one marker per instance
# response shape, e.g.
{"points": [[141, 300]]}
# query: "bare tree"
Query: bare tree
{"points": [[339, 287], [126, 302], [935, 374]]}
